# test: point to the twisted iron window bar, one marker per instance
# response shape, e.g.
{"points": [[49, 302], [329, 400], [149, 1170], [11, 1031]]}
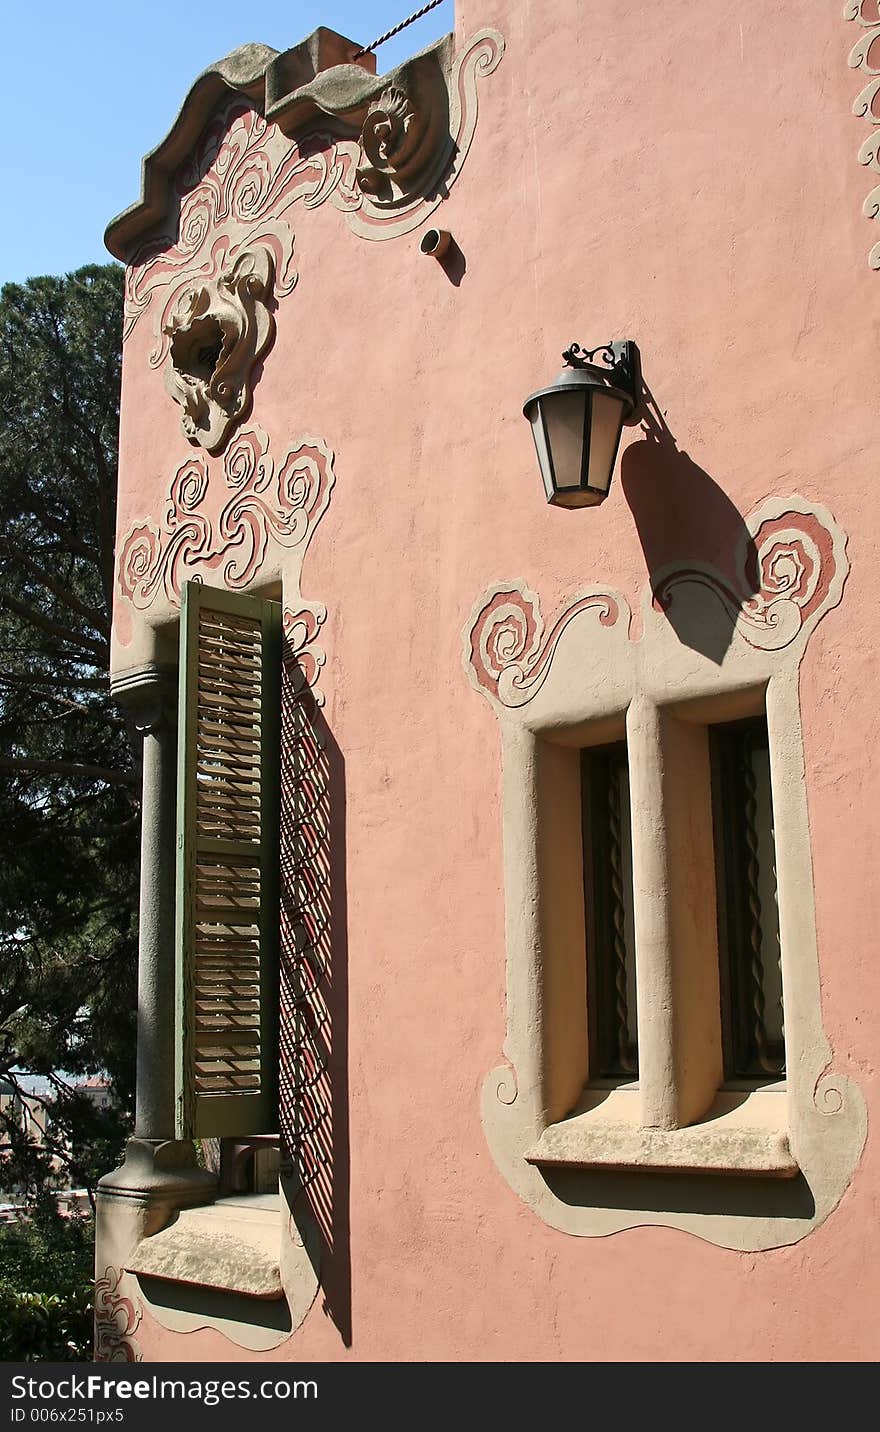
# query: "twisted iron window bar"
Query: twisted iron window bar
{"points": [[769, 1060], [625, 1053]]}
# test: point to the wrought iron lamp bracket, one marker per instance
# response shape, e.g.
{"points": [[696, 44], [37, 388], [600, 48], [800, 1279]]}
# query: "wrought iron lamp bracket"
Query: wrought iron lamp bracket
{"points": [[618, 365]]}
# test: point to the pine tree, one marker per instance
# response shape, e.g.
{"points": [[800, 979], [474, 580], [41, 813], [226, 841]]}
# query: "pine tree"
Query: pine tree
{"points": [[69, 784]]}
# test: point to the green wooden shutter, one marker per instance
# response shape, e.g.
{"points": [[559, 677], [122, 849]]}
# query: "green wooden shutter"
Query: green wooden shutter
{"points": [[227, 864]]}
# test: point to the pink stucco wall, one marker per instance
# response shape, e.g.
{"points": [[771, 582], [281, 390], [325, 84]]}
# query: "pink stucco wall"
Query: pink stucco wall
{"points": [[686, 176]]}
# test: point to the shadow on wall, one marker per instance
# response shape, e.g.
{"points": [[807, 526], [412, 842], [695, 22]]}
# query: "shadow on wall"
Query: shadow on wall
{"points": [[454, 263], [683, 516], [313, 1082], [708, 1194]]}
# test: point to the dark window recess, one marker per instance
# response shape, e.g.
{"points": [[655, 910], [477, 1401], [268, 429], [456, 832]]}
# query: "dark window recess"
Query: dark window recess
{"points": [[608, 907], [748, 916], [243, 1165]]}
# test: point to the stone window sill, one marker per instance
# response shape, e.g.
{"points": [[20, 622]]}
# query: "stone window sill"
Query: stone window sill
{"points": [[744, 1133], [232, 1246]]}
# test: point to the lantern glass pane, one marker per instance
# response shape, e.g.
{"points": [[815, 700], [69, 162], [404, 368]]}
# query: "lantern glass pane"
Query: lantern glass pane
{"points": [[608, 413], [564, 415], [534, 417]]}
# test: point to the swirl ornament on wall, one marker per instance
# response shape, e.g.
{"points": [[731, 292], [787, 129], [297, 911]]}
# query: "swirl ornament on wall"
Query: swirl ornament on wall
{"points": [[116, 1320], [262, 501], [866, 14], [301, 627], [789, 569], [237, 191], [506, 653], [234, 194], [389, 144], [412, 155]]}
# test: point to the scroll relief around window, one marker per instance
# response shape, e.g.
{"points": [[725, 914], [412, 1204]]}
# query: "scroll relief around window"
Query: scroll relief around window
{"points": [[223, 532], [219, 277], [680, 1131]]}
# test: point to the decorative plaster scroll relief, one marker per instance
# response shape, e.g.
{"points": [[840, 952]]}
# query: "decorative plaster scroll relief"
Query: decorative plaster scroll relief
{"points": [[234, 193], [789, 570], [263, 501], [410, 152], [238, 189], [301, 627], [389, 145], [866, 14], [506, 654], [116, 1320], [217, 330]]}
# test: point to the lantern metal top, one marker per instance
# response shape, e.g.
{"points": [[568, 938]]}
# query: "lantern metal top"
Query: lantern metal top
{"points": [[619, 373]]}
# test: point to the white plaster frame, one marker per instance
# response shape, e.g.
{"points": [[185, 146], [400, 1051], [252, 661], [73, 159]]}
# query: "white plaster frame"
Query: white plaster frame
{"points": [[638, 1156]]}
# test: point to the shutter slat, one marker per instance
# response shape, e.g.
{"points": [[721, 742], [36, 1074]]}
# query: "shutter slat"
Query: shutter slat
{"points": [[228, 901]]}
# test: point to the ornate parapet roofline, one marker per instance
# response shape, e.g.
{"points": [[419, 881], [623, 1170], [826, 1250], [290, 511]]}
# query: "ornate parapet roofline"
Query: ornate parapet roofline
{"points": [[249, 72], [411, 127], [211, 247]]}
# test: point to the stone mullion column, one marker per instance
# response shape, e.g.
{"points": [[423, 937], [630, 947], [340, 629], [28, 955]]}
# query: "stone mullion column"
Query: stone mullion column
{"points": [[159, 1174], [150, 696], [651, 904]]}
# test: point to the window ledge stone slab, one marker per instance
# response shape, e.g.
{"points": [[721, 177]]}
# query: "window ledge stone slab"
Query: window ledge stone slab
{"points": [[584, 1142], [231, 1246]]}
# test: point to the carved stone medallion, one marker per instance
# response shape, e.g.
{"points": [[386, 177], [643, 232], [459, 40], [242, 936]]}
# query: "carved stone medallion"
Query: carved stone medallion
{"points": [[217, 330]]}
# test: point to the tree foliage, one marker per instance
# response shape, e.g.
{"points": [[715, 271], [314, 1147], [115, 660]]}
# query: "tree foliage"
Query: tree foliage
{"points": [[46, 1253], [45, 1293], [68, 779]]}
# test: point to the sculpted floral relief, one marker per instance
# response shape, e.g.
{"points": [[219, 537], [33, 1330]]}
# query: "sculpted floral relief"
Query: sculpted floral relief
{"points": [[262, 501], [389, 143]]}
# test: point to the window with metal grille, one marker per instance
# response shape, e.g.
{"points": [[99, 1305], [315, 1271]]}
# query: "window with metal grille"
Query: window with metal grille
{"points": [[608, 910], [228, 842], [753, 1036]]}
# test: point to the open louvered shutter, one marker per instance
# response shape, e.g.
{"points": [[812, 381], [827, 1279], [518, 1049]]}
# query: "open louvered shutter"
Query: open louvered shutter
{"points": [[227, 851]]}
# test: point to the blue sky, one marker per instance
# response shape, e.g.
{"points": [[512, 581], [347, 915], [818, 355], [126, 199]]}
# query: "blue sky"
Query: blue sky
{"points": [[90, 87]]}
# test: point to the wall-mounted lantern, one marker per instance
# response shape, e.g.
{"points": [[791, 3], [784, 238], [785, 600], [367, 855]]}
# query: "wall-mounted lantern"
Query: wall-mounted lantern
{"points": [[577, 422]]}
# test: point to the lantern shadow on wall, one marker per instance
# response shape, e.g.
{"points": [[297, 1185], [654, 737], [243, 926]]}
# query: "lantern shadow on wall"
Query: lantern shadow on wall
{"points": [[681, 514], [683, 517]]}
